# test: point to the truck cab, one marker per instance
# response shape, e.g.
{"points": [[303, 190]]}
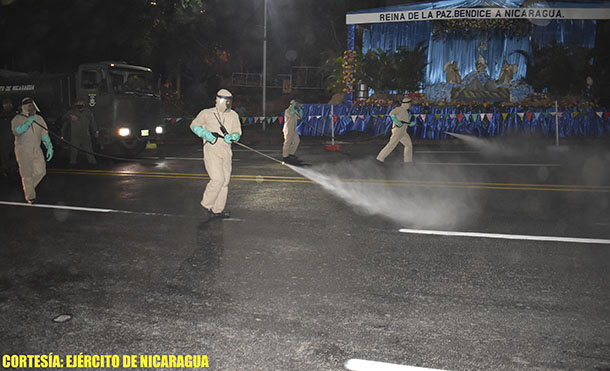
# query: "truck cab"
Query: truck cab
{"points": [[125, 100]]}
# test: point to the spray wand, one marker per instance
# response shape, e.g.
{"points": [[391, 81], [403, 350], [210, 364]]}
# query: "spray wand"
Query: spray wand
{"points": [[249, 148], [260, 153]]}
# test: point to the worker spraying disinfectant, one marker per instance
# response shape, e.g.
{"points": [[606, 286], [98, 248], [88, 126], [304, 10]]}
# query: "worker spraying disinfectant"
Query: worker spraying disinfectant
{"points": [[291, 137], [374, 196], [400, 120], [210, 125]]}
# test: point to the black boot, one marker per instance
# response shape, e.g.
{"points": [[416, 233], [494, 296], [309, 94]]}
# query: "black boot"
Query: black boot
{"points": [[293, 160], [222, 215]]}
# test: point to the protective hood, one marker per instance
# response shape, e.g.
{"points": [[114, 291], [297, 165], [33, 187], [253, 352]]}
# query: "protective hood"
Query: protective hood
{"points": [[224, 99], [25, 101]]}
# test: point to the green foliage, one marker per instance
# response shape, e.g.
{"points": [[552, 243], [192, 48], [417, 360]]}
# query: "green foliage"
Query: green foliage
{"points": [[332, 68], [381, 70], [471, 29], [388, 70], [411, 67], [562, 69]]}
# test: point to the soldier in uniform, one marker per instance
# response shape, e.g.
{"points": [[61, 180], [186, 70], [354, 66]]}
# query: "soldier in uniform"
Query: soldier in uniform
{"points": [[81, 123], [6, 137]]}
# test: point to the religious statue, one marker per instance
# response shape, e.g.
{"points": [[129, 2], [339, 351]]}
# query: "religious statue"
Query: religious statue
{"points": [[452, 73], [507, 73], [481, 63]]}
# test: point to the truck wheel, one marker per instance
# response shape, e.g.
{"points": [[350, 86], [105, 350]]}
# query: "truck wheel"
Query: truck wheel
{"points": [[132, 147]]}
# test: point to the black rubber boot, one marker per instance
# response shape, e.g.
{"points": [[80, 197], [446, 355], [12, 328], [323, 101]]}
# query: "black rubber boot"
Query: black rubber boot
{"points": [[222, 215]]}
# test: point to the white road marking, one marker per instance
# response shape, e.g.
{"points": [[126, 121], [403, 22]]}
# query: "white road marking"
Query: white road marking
{"points": [[179, 158], [175, 158], [80, 208], [445, 151], [480, 164], [259, 150], [506, 236], [65, 207], [364, 365]]}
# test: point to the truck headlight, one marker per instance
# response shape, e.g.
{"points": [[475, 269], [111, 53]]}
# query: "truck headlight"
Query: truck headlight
{"points": [[124, 132], [159, 130]]}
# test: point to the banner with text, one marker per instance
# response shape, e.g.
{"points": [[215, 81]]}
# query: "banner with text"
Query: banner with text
{"points": [[479, 13]]}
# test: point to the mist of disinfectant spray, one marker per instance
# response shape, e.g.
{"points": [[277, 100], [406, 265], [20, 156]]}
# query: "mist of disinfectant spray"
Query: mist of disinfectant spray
{"points": [[363, 185]]}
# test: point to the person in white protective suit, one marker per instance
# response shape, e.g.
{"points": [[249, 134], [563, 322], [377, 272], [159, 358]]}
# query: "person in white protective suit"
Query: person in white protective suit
{"points": [[218, 127], [30, 129], [400, 120], [291, 137]]}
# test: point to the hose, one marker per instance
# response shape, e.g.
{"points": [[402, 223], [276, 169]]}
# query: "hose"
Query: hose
{"points": [[97, 154]]}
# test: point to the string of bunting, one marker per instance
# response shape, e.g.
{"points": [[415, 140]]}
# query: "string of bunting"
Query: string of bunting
{"points": [[473, 117], [423, 117]]}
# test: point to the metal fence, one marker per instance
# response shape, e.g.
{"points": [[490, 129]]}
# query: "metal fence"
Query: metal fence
{"points": [[300, 77]]}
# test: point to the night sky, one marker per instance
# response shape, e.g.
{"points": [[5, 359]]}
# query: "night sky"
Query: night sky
{"points": [[57, 35]]}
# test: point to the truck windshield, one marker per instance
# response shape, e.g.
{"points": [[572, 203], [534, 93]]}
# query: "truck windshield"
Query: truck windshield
{"points": [[132, 81]]}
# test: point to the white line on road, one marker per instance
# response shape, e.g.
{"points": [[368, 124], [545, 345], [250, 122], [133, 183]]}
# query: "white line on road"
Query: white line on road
{"points": [[479, 164], [453, 152], [175, 158], [179, 158], [260, 150], [364, 365], [506, 236], [80, 208], [64, 207]]}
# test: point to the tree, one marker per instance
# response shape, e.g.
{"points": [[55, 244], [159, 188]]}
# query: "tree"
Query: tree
{"points": [[411, 67], [560, 68], [388, 70], [332, 69]]}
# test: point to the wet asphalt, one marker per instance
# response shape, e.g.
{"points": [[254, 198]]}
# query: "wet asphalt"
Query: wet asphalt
{"points": [[299, 278]]}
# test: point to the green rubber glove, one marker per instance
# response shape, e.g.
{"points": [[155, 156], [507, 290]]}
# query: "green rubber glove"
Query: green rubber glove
{"points": [[25, 126], [396, 120], [235, 137], [47, 143], [203, 133], [227, 138]]}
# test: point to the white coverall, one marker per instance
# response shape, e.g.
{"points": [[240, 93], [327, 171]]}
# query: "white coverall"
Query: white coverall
{"points": [[399, 135], [291, 136], [32, 165], [217, 157]]}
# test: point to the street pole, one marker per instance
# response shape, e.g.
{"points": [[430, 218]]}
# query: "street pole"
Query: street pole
{"points": [[265, 67], [556, 124]]}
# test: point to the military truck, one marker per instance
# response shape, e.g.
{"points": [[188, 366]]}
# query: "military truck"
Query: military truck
{"points": [[125, 100]]}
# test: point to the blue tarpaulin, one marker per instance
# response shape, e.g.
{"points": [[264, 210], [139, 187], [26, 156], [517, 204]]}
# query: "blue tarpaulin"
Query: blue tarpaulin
{"points": [[432, 122]]}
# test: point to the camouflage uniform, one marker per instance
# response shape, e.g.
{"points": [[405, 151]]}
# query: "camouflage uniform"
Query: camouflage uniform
{"points": [[82, 123]]}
